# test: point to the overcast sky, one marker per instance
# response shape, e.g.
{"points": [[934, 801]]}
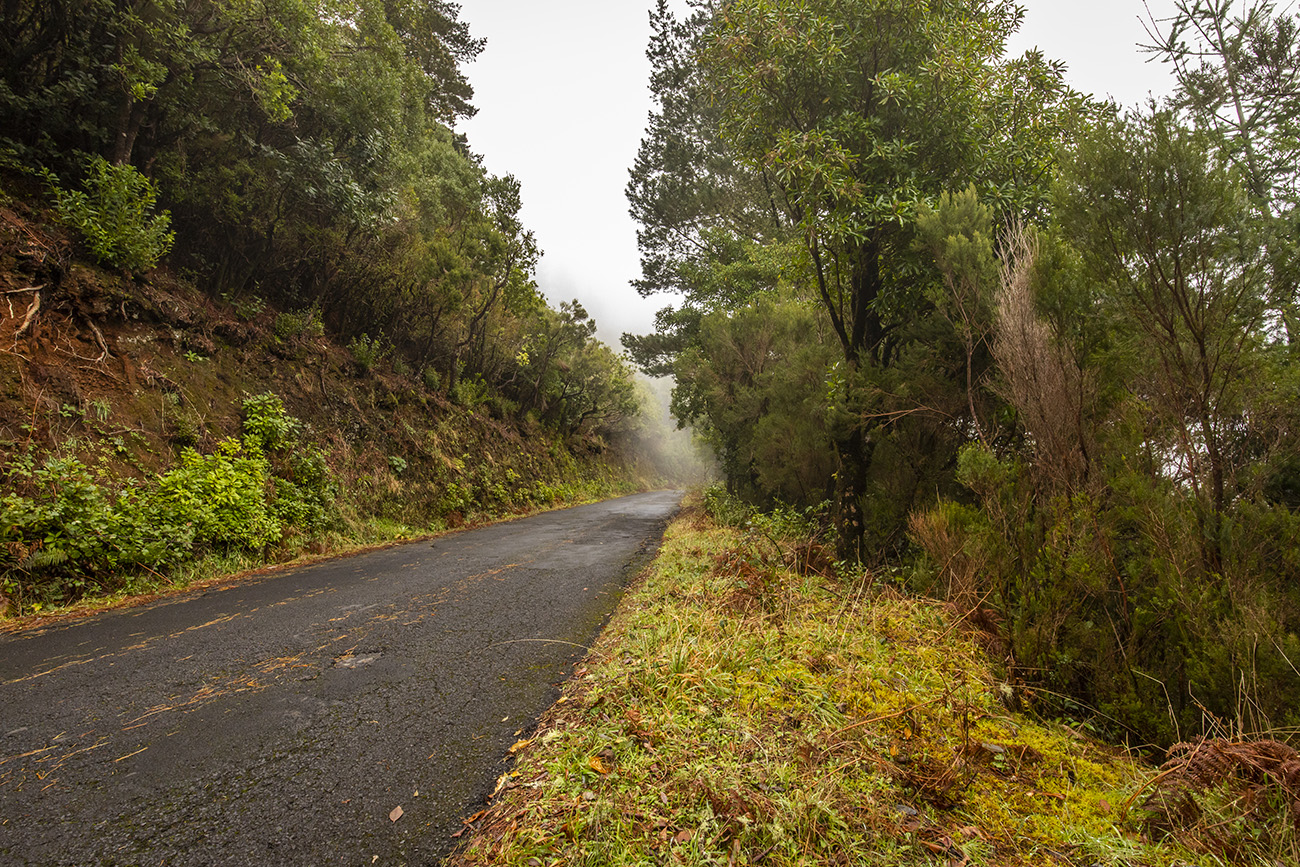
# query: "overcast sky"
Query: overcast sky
{"points": [[562, 98]]}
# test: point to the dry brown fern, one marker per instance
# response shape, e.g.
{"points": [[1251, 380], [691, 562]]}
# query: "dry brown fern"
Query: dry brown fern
{"points": [[1246, 768]]}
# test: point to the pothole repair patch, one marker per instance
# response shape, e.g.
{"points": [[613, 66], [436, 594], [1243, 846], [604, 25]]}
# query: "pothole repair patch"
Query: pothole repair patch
{"points": [[356, 661]]}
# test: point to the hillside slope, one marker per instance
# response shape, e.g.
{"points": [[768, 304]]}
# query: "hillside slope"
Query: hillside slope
{"points": [[111, 381]]}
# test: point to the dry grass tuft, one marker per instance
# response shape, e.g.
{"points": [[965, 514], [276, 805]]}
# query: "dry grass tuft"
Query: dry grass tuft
{"points": [[1041, 377]]}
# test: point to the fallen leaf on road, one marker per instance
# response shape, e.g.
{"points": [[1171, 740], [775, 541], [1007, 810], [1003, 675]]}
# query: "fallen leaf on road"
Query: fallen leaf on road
{"points": [[519, 745], [598, 765], [396, 814], [683, 836]]}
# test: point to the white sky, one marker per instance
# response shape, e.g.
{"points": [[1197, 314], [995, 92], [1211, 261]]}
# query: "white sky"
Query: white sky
{"points": [[562, 96]]}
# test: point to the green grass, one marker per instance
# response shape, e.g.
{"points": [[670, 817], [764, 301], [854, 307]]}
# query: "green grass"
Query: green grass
{"points": [[737, 713]]}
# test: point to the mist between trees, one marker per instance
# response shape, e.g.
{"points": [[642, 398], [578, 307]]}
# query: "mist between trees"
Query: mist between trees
{"points": [[1034, 352]]}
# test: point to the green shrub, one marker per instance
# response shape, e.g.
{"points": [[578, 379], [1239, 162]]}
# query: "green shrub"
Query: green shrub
{"points": [[725, 508], [304, 323], [306, 497], [366, 352], [456, 497], [287, 326], [268, 424], [114, 215], [305, 492], [222, 495], [789, 522], [61, 541], [64, 523], [67, 534], [470, 393], [248, 309]]}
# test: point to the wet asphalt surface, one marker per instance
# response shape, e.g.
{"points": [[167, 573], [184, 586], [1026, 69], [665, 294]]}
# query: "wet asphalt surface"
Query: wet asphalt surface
{"points": [[282, 720]]}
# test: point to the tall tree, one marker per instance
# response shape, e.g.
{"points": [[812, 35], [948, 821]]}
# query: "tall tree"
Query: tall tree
{"points": [[1238, 73], [702, 213], [861, 111], [1237, 68], [1178, 251]]}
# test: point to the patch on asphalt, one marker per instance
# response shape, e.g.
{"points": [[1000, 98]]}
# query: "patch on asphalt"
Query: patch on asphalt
{"points": [[356, 661]]}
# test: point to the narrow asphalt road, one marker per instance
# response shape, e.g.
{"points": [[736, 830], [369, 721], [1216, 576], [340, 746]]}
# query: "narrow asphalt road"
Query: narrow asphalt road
{"points": [[283, 720]]}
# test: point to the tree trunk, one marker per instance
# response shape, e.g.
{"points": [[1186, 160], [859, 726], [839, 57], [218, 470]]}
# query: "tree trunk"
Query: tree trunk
{"points": [[854, 454], [862, 337]]}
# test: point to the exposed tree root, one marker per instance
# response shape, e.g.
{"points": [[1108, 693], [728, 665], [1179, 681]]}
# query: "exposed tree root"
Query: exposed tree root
{"points": [[99, 337], [32, 311]]}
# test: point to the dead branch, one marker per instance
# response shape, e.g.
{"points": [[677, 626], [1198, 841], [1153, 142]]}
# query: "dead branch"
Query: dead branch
{"points": [[28, 289]]}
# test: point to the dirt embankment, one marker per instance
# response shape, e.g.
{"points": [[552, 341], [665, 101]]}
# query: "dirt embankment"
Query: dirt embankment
{"points": [[125, 372]]}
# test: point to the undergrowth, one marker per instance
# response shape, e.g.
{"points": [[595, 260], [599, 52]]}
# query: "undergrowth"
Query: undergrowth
{"points": [[73, 527], [748, 706]]}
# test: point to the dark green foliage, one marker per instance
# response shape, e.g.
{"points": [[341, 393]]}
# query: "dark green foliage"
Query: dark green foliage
{"points": [[726, 508], [1129, 539], [366, 351], [221, 497], [305, 492], [306, 154], [754, 384], [267, 423], [795, 147], [1073, 384], [305, 324]]}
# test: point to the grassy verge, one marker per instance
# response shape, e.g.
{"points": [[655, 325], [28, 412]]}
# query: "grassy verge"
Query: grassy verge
{"points": [[738, 712]]}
